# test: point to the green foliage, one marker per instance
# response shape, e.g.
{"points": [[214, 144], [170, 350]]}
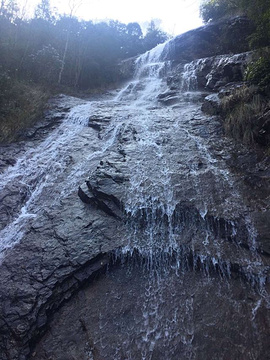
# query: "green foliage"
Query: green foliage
{"points": [[50, 50], [5, 89], [8, 9], [258, 73], [153, 37], [217, 9], [44, 65], [259, 12]]}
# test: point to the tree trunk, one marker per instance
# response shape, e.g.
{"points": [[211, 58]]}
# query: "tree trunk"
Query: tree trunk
{"points": [[64, 59]]}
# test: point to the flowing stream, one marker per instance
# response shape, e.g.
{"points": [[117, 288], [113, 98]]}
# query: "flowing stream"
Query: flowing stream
{"points": [[184, 216]]}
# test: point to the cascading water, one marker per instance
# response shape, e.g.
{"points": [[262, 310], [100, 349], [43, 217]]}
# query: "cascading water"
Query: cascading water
{"points": [[49, 171], [161, 175], [148, 79], [189, 252]]}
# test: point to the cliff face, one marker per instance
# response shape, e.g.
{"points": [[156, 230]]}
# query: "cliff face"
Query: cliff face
{"points": [[132, 227], [229, 36]]}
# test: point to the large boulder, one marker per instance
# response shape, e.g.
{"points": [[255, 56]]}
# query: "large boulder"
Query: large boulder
{"points": [[210, 40]]}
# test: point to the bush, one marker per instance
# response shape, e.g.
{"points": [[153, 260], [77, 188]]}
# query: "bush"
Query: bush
{"points": [[5, 88], [44, 65], [212, 10], [21, 104], [258, 73], [240, 111]]}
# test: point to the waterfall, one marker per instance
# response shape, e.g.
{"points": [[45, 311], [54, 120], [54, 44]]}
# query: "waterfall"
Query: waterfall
{"points": [[185, 278], [149, 77], [174, 224], [152, 202]]}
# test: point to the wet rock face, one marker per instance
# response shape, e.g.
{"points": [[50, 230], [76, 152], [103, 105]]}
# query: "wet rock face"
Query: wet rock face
{"points": [[143, 232], [124, 203], [212, 104], [54, 258], [216, 73], [169, 97], [131, 320]]}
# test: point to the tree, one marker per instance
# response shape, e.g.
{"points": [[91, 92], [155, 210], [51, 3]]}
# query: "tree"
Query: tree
{"points": [[43, 11], [259, 12], [134, 39], [73, 7], [8, 9], [212, 10], [134, 30], [154, 36], [44, 65]]}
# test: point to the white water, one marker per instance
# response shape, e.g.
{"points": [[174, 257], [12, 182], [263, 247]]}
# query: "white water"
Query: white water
{"points": [[155, 190], [148, 79]]}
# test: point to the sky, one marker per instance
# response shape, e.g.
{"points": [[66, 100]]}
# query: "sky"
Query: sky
{"points": [[177, 16]]}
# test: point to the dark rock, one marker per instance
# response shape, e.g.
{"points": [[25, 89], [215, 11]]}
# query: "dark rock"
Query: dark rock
{"points": [[98, 122], [68, 245], [211, 40], [11, 162], [167, 94], [212, 105], [127, 286], [95, 201], [103, 195], [53, 116], [11, 200], [262, 223], [169, 100], [217, 73], [127, 134], [229, 89], [169, 97]]}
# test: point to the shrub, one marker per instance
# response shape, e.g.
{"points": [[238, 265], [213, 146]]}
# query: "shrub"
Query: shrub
{"points": [[258, 73], [5, 86], [240, 111], [21, 105], [212, 10], [44, 65]]}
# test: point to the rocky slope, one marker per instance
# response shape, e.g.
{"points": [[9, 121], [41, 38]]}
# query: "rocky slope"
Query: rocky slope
{"points": [[119, 191]]}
